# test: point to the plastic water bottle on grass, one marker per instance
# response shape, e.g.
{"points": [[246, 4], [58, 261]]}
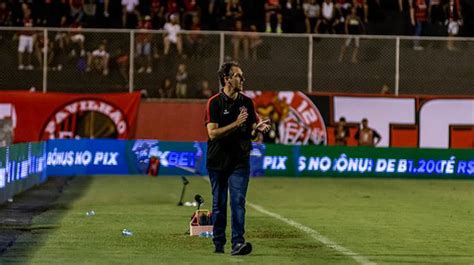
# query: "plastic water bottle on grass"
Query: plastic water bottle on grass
{"points": [[90, 213], [127, 233], [206, 234]]}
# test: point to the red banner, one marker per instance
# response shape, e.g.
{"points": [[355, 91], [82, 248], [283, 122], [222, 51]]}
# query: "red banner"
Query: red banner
{"points": [[41, 116]]}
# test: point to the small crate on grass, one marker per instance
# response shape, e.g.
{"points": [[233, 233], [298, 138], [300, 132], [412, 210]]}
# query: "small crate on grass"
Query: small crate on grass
{"points": [[201, 222]]}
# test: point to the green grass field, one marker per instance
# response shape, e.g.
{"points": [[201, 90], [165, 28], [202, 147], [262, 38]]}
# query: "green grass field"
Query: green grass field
{"points": [[380, 220]]}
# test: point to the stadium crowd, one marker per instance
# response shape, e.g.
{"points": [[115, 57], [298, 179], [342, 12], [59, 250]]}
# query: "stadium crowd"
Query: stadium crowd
{"points": [[291, 16], [247, 17]]}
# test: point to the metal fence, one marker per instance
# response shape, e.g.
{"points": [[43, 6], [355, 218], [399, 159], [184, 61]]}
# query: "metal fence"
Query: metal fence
{"points": [[136, 60]]}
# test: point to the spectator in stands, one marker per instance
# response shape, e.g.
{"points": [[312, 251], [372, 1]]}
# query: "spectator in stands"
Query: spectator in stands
{"points": [[195, 40], [367, 136], [75, 41], [40, 50], [376, 16], [206, 8], [255, 41], [190, 10], [90, 12], [130, 13], [353, 26], [5, 15], [254, 13], [272, 10], [166, 89], [341, 132], [144, 93], [311, 10], [204, 91], [51, 13], [26, 41], [239, 41], [234, 9], [98, 60], [122, 63], [453, 11], [419, 18], [362, 9], [157, 14], [437, 18], [293, 16], [182, 81], [172, 36], [59, 49], [385, 90], [233, 12], [343, 7], [270, 15], [76, 11], [106, 8], [328, 18], [144, 45], [172, 8]]}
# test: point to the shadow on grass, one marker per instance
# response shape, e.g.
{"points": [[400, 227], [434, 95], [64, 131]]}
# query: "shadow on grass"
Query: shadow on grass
{"points": [[19, 237]]}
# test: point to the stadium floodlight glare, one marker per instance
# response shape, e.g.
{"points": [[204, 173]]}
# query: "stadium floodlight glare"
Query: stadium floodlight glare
{"points": [[185, 182]]}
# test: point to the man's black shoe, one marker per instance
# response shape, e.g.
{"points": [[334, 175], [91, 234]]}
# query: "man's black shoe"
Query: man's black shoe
{"points": [[241, 249], [219, 250]]}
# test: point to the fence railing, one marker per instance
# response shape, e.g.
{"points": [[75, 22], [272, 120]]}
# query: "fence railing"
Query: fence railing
{"points": [[58, 59]]}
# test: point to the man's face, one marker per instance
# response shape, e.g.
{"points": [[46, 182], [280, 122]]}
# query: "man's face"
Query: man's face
{"points": [[365, 124], [174, 19], [236, 78]]}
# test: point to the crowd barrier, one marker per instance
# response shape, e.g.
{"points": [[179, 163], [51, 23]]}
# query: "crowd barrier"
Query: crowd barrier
{"points": [[25, 165], [137, 157], [340, 161], [21, 167], [125, 157]]}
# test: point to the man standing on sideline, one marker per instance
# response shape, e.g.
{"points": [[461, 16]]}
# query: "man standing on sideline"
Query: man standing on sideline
{"points": [[341, 132], [231, 124], [367, 136]]}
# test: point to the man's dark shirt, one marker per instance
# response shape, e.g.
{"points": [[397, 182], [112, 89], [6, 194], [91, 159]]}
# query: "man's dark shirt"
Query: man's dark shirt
{"points": [[233, 150]]}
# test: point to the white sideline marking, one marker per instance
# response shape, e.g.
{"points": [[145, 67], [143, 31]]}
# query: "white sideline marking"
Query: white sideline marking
{"points": [[313, 233]]}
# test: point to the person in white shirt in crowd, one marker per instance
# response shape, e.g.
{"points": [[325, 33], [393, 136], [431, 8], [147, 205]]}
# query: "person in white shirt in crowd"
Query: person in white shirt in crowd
{"points": [[130, 13], [98, 60], [172, 36], [76, 40], [454, 21], [328, 19], [26, 40], [311, 11]]}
